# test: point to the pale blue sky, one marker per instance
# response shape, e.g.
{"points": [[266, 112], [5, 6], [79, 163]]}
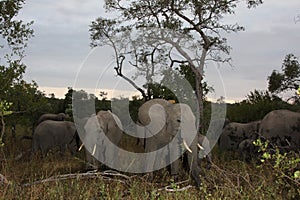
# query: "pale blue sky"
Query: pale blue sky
{"points": [[61, 46]]}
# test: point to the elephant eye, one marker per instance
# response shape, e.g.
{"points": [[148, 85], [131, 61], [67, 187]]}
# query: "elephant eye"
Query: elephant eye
{"points": [[178, 120]]}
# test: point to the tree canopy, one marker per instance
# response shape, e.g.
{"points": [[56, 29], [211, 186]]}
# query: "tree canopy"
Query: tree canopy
{"points": [[152, 34], [23, 97], [14, 37], [288, 79]]}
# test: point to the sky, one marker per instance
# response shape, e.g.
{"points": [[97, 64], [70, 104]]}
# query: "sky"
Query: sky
{"points": [[60, 56]]}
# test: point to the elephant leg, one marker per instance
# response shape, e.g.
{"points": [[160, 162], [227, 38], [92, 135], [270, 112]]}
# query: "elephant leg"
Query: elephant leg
{"points": [[62, 149], [208, 161], [193, 163], [150, 162], [110, 155], [174, 153], [175, 169], [44, 152], [90, 162]]}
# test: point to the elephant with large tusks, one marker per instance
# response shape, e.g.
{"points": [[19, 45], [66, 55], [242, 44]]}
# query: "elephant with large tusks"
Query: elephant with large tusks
{"points": [[282, 128], [50, 116], [50, 134], [98, 128], [167, 126], [234, 133]]}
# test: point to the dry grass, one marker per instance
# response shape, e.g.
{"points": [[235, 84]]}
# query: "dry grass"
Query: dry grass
{"points": [[227, 179]]}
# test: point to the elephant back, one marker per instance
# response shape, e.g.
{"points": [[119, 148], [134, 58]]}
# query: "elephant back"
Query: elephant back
{"points": [[281, 127], [49, 134], [50, 116]]}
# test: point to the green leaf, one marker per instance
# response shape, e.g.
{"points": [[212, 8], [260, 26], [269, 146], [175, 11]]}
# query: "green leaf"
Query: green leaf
{"points": [[266, 155], [1, 143], [297, 174]]}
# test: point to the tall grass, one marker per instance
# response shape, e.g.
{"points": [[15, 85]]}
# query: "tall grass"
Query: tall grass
{"points": [[228, 178]]}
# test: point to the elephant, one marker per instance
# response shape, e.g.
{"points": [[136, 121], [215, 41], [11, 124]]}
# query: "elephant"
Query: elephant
{"points": [[282, 128], [49, 116], [50, 134], [97, 127], [234, 133], [167, 120]]}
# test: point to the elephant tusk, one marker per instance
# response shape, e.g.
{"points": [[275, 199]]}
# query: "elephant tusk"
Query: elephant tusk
{"points": [[200, 147], [94, 150], [186, 146], [81, 146]]}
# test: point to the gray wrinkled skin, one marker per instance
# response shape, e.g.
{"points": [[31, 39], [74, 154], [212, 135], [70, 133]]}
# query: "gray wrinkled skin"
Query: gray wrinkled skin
{"points": [[234, 133], [282, 128], [104, 124], [206, 151], [49, 116], [167, 120], [50, 134]]}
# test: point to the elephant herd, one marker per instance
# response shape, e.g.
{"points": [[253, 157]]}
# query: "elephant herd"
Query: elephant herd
{"points": [[280, 127], [162, 125]]}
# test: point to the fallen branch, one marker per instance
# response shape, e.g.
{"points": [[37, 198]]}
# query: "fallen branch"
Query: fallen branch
{"points": [[90, 174], [175, 187]]}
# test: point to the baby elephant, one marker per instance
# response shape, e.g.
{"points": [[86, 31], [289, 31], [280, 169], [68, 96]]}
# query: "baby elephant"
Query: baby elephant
{"points": [[50, 134]]}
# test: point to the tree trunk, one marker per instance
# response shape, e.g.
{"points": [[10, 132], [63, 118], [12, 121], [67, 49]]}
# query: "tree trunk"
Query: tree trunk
{"points": [[199, 94]]}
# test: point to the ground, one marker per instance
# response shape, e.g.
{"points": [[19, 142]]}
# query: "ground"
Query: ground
{"points": [[56, 177]]}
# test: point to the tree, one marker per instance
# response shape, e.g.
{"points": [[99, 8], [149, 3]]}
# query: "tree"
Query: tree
{"points": [[189, 28], [256, 105], [14, 37], [288, 79]]}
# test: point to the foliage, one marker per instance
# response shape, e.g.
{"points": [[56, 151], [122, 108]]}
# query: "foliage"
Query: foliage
{"points": [[256, 106], [67, 103], [15, 34], [288, 79], [28, 103], [285, 165], [4, 110], [152, 34]]}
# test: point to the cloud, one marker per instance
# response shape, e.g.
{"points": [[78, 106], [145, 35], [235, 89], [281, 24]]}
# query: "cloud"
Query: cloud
{"points": [[61, 45]]}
